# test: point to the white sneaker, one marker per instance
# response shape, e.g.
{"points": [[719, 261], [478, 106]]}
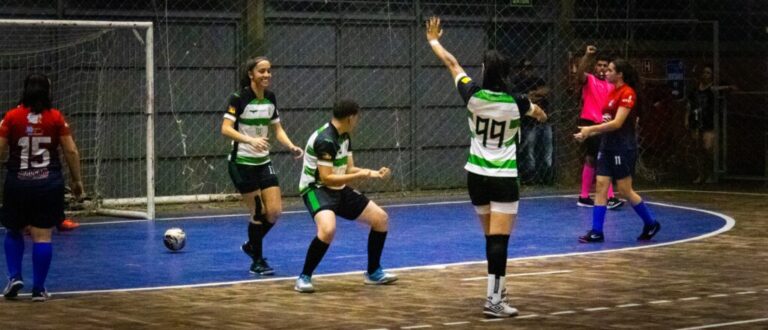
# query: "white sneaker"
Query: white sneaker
{"points": [[499, 309], [379, 277], [304, 284]]}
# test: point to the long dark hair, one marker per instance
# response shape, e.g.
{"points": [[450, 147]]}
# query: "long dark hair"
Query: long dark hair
{"points": [[497, 69], [245, 79], [37, 93], [629, 73]]}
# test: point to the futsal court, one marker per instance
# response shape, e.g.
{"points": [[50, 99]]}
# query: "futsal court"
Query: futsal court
{"points": [[705, 264]]}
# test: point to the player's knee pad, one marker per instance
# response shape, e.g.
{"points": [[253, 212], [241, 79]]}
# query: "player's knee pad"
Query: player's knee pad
{"points": [[504, 207], [483, 209]]}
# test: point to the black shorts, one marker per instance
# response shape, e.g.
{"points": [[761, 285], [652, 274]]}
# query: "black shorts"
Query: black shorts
{"points": [[592, 143], [249, 178], [485, 189], [41, 208], [617, 164], [346, 202]]}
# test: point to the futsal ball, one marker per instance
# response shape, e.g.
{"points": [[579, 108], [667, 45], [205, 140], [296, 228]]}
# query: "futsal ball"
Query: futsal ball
{"points": [[174, 239]]}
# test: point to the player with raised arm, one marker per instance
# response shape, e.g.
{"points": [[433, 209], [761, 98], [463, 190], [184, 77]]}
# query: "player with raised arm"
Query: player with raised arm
{"points": [[252, 111], [328, 169], [492, 176], [33, 195]]}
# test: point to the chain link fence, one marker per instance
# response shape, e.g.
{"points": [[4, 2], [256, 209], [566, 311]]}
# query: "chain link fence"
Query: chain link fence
{"points": [[375, 52]]}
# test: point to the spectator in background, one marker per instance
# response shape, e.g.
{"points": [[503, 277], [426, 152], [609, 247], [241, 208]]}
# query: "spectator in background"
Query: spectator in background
{"points": [[536, 145], [700, 120]]}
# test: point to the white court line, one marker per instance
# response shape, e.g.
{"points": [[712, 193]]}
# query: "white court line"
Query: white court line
{"points": [[708, 326], [527, 316], [746, 292], [456, 323], [657, 302], [596, 309], [420, 326], [628, 305], [563, 313], [730, 222], [689, 298], [492, 320], [719, 295], [517, 275]]}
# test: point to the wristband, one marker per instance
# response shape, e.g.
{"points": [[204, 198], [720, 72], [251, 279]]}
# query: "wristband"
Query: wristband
{"points": [[434, 42]]}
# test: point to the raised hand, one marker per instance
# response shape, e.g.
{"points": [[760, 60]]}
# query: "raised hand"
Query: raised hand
{"points": [[434, 31]]}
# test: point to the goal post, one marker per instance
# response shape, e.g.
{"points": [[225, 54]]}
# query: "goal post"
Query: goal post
{"points": [[102, 75]]}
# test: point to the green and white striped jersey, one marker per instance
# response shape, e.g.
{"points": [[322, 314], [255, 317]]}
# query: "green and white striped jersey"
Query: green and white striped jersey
{"points": [[325, 147], [494, 124], [252, 117]]}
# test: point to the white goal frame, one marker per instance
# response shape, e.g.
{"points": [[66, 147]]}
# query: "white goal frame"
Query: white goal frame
{"points": [[149, 112]]}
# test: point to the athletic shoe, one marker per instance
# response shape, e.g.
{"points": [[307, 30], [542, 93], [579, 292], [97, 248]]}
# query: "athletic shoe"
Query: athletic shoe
{"points": [[379, 277], [40, 296], [304, 284], [12, 289], [247, 249], [67, 225], [614, 203], [592, 237], [499, 309], [649, 231], [585, 202], [261, 267]]}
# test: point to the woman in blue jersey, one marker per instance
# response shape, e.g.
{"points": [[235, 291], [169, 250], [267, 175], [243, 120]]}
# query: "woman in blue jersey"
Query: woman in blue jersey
{"points": [[252, 111], [618, 151], [492, 165], [33, 192]]}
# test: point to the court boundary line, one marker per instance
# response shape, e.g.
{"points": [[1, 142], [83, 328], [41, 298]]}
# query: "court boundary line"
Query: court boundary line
{"points": [[729, 224]]}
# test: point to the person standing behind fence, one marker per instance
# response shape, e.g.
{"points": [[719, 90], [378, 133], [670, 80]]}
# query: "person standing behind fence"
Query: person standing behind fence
{"points": [[251, 112], [618, 151], [536, 145], [328, 169], [492, 177], [701, 122], [33, 195], [594, 92]]}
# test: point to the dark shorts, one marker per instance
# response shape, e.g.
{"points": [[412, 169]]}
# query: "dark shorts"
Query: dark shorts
{"points": [[617, 164], [485, 189], [346, 202], [591, 144], [41, 208], [249, 178]]}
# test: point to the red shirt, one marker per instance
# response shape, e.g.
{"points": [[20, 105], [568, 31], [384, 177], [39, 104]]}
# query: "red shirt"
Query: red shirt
{"points": [[33, 139], [623, 138]]}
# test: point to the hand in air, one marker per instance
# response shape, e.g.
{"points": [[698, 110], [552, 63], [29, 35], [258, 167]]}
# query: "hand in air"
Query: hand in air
{"points": [[434, 31]]}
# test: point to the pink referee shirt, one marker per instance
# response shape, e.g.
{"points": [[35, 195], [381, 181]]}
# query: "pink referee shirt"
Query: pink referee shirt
{"points": [[594, 94]]}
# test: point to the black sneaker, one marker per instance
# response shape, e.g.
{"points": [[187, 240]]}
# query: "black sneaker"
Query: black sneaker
{"points": [[592, 237], [261, 267], [614, 203], [649, 231], [585, 202], [12, 289], [247, 249], [40, 296]]}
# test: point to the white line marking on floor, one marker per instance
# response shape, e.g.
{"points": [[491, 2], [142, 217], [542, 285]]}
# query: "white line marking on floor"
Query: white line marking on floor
{"points": [[456, 323], [420, 326], [527, 316], [719, 295], [708, 326], [656, 302], [563, 313], [628, 305], [746, 292], [595, 309], [492, 320], [517, 275], [689, 298]]}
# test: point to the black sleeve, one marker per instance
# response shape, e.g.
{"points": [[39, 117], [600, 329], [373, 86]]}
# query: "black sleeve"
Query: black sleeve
{"points": [[325, 149], [523, 104], [233, 105], [272, 98], [467, 88]]}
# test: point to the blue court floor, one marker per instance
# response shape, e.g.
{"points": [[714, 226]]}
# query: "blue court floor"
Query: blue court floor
{"points": [[131, 255]]}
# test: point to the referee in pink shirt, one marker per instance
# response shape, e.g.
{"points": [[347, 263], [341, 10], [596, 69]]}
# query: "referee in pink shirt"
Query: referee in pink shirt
{"points": [[594, 94]]}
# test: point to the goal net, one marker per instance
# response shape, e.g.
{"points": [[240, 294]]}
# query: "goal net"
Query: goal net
{"points": [[102, 81]]}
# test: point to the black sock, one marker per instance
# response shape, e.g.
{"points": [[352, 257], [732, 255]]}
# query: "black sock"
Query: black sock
{"points": [[496, 253], [375, 247], [315, 253], [255, 236]]}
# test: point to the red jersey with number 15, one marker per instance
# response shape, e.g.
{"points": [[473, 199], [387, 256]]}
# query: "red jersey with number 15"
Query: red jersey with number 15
{"points": [[33, 139]]}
